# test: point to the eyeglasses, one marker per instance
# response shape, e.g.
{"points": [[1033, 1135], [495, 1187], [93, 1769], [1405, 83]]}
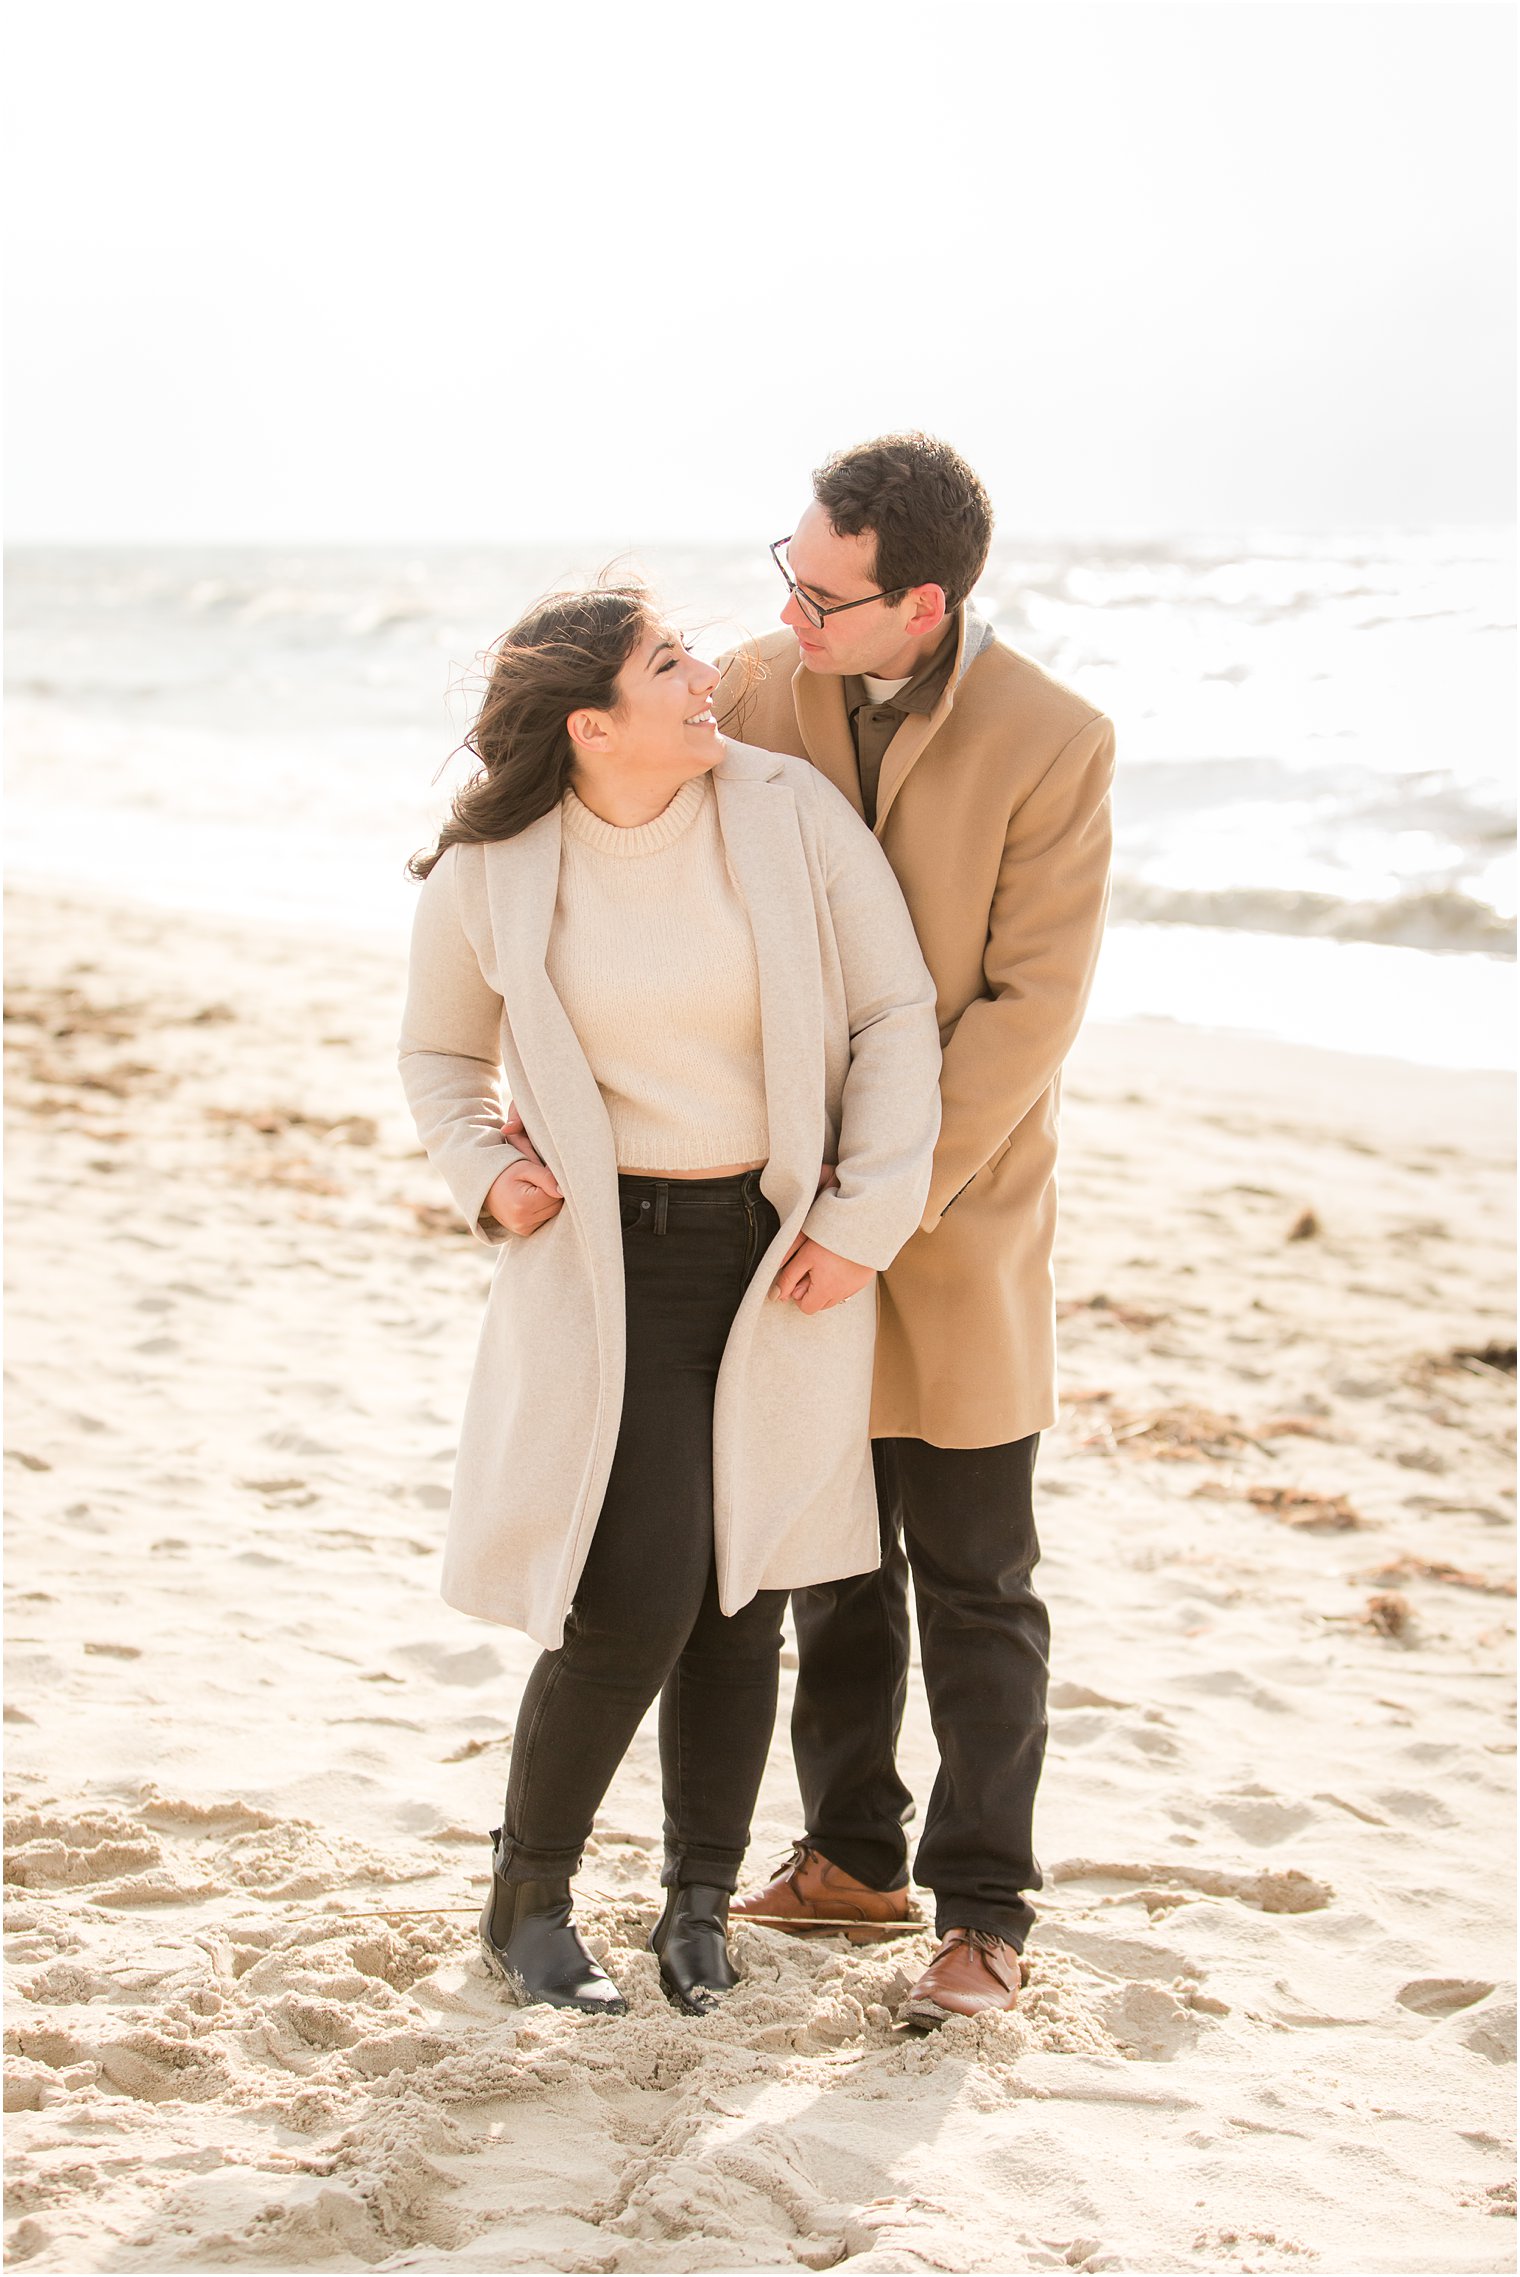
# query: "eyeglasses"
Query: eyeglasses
{"points": [[815, 611]]}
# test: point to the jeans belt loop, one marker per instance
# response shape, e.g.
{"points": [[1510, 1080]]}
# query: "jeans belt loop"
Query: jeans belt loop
{"points": [[661, 1206]]}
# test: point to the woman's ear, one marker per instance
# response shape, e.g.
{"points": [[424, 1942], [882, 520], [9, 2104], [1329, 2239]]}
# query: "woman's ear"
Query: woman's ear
{"points": [[587, 730]]}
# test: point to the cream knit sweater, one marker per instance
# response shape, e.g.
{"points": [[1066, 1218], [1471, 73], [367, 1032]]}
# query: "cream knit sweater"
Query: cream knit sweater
{"points": [[652, 956]]}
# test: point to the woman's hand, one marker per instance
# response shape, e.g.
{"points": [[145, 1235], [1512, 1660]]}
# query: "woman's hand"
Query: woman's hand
{"points": [[830, 1287], [816, 1280], [525, 1197], [515, 1133], [537, 1197]]}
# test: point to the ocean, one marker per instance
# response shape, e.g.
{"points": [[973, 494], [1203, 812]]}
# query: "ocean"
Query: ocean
{"points": [[1314, 809]]}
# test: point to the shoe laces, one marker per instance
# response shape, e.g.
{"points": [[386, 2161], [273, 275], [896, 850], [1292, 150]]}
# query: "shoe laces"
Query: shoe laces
{"points": [[983, 1941]]}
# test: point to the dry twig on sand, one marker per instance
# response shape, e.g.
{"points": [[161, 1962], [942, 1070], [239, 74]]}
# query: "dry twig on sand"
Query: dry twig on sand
{"points": [[1407, 1567], [1300, 1506], [1389, 1613], [1171, 1434]]}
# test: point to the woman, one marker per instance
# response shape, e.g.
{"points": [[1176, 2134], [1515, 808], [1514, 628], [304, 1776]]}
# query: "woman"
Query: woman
{"points": [[696, 969]]}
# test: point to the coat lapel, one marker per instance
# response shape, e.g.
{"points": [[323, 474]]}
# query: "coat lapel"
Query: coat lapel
{"points": [[522, 883], [919, 728], [824, 724], [762, 838]]}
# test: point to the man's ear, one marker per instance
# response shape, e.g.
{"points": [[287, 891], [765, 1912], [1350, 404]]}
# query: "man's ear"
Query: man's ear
{"points": [[587, 730], [927, 611]]}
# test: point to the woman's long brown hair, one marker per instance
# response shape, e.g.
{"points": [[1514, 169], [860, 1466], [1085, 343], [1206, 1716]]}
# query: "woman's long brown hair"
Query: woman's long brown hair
{"points": [[563, 656]]}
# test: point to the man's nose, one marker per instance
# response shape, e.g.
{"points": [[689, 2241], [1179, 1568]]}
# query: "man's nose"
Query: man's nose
{"points": [[792, 615]]}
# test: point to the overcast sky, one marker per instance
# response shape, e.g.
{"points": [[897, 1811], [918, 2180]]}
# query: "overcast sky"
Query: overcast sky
{"points": [[469, 269]]}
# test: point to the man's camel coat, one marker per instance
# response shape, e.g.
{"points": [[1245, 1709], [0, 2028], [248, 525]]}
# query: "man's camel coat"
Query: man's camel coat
{"points": [[993, 810], [851, 1062]]}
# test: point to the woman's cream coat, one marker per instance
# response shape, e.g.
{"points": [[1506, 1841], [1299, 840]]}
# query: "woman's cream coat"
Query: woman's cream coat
{"points": [[851, 1051]]}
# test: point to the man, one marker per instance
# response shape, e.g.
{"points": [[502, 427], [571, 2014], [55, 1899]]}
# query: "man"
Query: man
{"points": [[987, 784]]}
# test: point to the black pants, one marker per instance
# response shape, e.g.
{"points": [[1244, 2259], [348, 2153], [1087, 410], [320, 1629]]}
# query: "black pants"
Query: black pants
{"points": [[962, 1519], [645, 1617]]}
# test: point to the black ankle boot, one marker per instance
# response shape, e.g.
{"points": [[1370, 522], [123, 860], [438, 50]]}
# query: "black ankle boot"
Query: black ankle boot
{"points": [[696, 1967], [528, 1937]]}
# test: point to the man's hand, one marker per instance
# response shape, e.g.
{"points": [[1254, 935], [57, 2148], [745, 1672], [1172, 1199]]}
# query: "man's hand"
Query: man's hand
{"points": [[816, 1280], [525, 1197]]}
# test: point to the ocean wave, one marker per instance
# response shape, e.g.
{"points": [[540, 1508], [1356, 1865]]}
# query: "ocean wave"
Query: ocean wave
{"points": [[1439, 920]]}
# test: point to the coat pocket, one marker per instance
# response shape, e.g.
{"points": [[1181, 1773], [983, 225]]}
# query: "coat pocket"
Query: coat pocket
{"points": [[995, 1157], [986, 1171]]}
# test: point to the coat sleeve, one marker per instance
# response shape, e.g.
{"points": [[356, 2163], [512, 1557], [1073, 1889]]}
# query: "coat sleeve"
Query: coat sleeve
{"points": [[890, 1111], [1042, 948], [451, 1052]]}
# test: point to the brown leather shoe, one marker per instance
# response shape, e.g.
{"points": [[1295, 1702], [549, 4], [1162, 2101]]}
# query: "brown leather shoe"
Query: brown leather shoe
{"points": [[972, 1972], [811, 1897]]}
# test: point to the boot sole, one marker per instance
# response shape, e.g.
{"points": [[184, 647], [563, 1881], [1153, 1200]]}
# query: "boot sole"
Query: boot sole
{"points": [[674, 1994], [853, 1932], [716, 1995], [927, 2015]]}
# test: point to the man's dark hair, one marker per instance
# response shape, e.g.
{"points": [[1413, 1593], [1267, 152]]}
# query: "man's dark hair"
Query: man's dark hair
{"points": [[929, 515]]}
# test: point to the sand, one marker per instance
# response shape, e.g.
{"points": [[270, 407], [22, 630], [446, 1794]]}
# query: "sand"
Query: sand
{"points": [[1269, 2025]]}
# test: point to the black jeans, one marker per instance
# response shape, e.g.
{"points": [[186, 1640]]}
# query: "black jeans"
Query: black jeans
{"points": [[962, 1519], [646, 1617]]}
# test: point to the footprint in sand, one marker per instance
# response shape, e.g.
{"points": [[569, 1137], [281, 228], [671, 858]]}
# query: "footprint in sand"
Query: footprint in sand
{"points": [[1081, 1696], [48, 2044], [1149, 2022], [51, 1852], [154, 2067], [1441, 1996], [1276, 1889], [1488, 2029], [1417, 1804], [455, 1664], [296, 1443], [1129, 1957], [182, 1816], [1262, 1817], [1078, 1727], [1231, 1681], [1479, 2015]]}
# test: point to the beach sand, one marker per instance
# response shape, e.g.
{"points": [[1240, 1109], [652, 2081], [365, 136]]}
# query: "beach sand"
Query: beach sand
{"points": [[1268, 2026]]}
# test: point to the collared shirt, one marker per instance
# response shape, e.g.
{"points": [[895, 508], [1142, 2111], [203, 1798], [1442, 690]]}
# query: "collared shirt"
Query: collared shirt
{"points": [[873, 725]]}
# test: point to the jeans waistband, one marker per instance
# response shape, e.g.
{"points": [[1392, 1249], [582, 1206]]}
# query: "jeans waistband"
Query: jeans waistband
{"points": [[699, 1204], [706, 1193]]}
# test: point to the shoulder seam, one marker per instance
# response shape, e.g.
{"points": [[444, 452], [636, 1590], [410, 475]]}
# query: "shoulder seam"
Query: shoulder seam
{"points": [[1098, 720], [1060, 687]]}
